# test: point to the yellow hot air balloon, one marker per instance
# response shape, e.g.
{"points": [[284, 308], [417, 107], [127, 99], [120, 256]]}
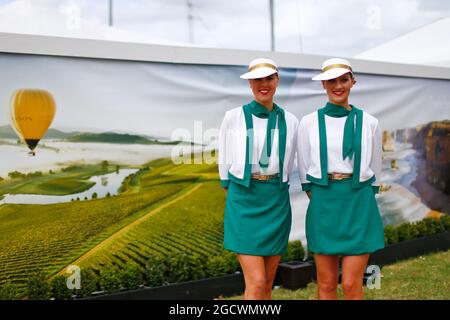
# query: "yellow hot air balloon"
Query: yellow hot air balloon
{"points": [[32, 111]]}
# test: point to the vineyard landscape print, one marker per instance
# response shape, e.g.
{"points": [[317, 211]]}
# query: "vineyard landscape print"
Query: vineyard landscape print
{"points": [[103, 193], [153, 210]]}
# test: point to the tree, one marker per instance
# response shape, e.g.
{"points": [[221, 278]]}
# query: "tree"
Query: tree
{"points": [[94, 195], [34, 174], [16, 175], [105, 165]]}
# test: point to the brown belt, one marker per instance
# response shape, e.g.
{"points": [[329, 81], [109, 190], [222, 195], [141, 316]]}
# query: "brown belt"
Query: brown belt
{"points": [[339, 176], [264, 177]]}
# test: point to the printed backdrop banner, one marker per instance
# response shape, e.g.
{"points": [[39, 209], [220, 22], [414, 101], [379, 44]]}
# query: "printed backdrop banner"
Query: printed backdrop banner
{"points": [[102, 187]]}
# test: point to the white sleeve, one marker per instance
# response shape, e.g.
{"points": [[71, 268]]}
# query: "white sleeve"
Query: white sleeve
{"points": [[376, 161], [224, 152], [303, 154]]}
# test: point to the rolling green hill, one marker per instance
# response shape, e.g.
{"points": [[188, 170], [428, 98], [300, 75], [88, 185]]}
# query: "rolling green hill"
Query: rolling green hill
{"points": [[6, 132], [111, 137]]}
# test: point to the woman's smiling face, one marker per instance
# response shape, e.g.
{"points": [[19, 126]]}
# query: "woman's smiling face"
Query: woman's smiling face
{"points": [[264, 88], [338, 89]]}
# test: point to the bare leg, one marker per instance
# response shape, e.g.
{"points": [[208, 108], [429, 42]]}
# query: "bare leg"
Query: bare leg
{"points": [[327, 276], [255, 276], [353, 268], [271, 266]]}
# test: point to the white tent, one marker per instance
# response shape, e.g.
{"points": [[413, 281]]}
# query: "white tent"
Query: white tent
{"points": [[66, 20], [427, 45]]}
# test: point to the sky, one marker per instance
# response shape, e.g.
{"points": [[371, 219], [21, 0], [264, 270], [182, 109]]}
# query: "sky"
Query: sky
{"points": [[327, 27]]}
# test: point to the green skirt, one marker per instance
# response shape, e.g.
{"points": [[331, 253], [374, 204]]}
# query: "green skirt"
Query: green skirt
{"points": [[343, 221], [257, 219]]}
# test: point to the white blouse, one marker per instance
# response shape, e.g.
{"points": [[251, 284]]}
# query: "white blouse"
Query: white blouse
{"points": [[335, 138], [259, 136]]}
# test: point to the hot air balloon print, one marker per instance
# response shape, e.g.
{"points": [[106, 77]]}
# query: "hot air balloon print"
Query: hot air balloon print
{"points": [[32, 111]]}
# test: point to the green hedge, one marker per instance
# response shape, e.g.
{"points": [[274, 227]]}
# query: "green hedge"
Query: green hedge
{"points": [[90, 282], [227, 263], [413, 230], [9, 291], [38, 287], [59, 290], [295, 252], [114, 278], [110, 278], [179, 267]]}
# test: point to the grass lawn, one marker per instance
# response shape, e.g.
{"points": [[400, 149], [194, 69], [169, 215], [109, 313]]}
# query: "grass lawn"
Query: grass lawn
{"points": [[422, 278]]}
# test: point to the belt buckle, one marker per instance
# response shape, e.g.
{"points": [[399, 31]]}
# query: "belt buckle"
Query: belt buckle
{"points": [[263, 177], [337, 176]]}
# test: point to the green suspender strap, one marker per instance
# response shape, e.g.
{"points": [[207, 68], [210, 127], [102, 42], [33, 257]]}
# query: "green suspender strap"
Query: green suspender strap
{"points": [[248, 149], [282, 131], [248, 145], [323, 180]]}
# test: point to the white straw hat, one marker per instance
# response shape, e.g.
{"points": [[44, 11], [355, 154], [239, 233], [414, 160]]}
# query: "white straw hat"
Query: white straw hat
{"points": [[333, 68], [260, 68]]}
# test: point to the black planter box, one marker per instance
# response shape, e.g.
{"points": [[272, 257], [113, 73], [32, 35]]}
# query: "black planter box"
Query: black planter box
{"points": [[411, 248], [204, 289], [296, 274]]}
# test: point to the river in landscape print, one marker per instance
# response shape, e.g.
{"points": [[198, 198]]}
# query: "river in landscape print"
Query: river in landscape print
{"points": [[104, 185], [54, 154]]}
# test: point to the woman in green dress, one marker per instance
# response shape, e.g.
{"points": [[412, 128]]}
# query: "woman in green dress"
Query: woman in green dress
{"points": [[339, 161], [256, 153]]}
